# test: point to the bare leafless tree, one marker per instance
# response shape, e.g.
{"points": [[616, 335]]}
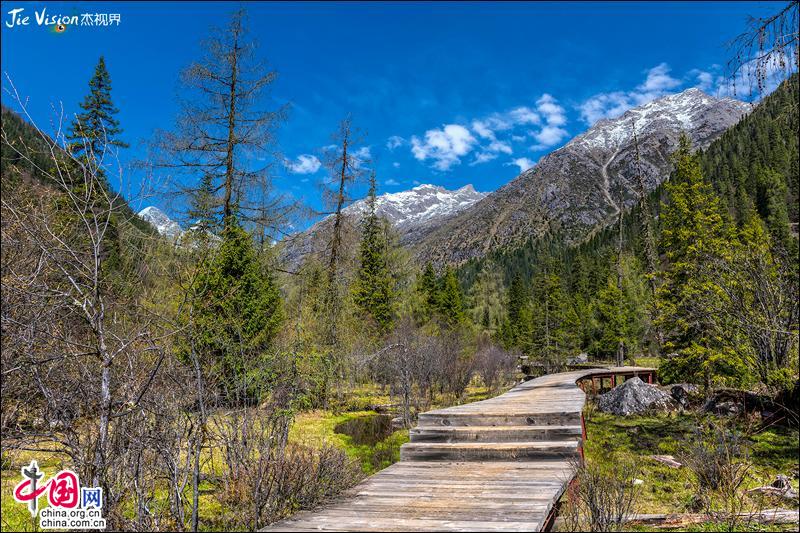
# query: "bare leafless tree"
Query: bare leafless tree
{"points": [[768, 47], [719, 458], [223, 134], [600, 498], [494, 364], [74, 333], [344, 169]]}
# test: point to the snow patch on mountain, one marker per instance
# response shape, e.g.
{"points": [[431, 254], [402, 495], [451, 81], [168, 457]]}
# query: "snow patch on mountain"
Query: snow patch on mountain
{"points": [[407, 210], [161, 222], [413, 213], [682, 111]]}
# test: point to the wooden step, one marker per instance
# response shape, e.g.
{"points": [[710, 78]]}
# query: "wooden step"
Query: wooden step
{"points": [[443, 418], [494, 433], [489, 451]]}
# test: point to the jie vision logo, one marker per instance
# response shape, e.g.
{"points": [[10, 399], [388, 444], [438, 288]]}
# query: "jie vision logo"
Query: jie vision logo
{"points": [[58, 23]]}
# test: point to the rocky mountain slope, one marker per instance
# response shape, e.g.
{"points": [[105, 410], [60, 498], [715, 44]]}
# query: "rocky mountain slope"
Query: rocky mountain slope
{"points": [[580, 187], [413, 213]]}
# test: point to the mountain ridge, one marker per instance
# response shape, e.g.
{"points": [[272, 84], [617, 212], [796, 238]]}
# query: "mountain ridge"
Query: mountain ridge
{"points": [[579, 188], [412, 213]]}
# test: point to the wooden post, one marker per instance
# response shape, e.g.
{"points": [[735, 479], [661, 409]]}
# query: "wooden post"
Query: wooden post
{"points": [[650, 378], [583, 431]]}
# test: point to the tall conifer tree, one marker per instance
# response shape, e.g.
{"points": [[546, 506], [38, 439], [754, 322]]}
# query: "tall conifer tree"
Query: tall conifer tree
{"points": [[95, 127], [372, 288], [451, 300], [694, 233]]}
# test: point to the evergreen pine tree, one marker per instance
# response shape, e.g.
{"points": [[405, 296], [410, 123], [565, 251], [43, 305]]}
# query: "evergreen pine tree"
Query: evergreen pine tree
{"points": [[772, 205], [238, 315], [450, 301], [622, 312], [694, 233], [519, 314], [611, 317], [555, 331], [428, 288], [95, 128], [90, 134], [372, 288], [203, 209]]}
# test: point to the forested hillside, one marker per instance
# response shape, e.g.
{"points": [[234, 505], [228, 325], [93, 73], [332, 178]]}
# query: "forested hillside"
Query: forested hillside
{"points": [[753, 169]]}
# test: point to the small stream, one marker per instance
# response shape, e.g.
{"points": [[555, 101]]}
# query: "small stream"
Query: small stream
{"points": [[367, 430]]}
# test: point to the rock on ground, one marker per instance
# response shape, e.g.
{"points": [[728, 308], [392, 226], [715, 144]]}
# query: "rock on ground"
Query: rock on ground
{"points": [[667, 460], [683, 392], [579, 359], [633, 397]]}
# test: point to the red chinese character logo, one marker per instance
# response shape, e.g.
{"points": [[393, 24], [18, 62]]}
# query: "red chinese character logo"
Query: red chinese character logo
{"points": [[64, 490]]}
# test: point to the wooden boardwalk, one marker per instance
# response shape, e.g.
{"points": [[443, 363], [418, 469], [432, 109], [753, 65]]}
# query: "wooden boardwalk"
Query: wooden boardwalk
{"points": [[496, 465]]}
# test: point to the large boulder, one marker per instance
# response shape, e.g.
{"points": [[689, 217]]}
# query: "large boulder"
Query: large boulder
{"points": [[580, 359], [682, 393], [633, 397]]}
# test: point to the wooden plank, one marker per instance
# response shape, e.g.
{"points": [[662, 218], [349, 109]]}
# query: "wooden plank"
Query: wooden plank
{"points": [[491, 492], [414, 524]]}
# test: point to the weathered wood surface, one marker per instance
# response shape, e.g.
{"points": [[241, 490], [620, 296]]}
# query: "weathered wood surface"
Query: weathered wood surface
{"points": [[495, 465]]}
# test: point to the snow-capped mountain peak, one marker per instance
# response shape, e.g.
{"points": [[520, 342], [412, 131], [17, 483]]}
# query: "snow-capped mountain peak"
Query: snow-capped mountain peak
{"points": [[409, 209], [160, 221], [682, 111], [413, 213]]}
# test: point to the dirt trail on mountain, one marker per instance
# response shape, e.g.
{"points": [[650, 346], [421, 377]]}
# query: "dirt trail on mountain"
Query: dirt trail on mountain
{"points": [[607, 183]]}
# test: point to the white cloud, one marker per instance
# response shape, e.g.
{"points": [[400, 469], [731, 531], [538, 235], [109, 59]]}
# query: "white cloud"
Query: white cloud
{"points": [[549, 136], [613, 104], [416, 182], [444, 146], [552, 112], [391, 181], [395, 141], [554, 117], [522, 162], [705, 80], [361, 155], [482, 129], [745, 84], [524, 115], [658, 80], [483, 157], [492, 135], [396, 164], [486, 130], [304, 164], [604, 105], [499, 146]]}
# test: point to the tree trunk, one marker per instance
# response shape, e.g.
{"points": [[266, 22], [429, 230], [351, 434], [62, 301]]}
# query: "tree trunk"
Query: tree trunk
{"points": [[99, 478], [229, 170]]}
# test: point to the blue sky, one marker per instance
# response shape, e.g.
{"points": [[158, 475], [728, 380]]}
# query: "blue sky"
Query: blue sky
{"points": [[450, 93]]}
